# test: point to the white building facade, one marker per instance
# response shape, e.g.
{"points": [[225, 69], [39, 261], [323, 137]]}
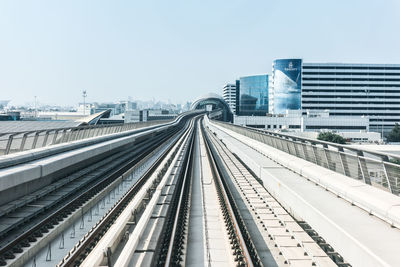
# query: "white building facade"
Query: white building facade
{"points": [[312, 121], [342, 89], [353, 128], [229, 95], [371, 90]]}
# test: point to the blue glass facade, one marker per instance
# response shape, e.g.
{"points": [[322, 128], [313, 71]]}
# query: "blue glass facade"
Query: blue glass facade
{"points": [[287, 85], [253, 95]]}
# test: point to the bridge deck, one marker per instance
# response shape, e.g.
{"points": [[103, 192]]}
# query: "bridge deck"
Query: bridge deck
{"points": [[354, 233]]}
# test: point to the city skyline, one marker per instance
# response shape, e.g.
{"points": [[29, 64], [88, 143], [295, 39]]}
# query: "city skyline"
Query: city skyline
{"points": [[31, 104], [177, 50]]}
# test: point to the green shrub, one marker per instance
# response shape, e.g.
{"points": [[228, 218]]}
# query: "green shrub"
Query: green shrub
{"points": [[331, 137], [394, 135], [395, 161]]}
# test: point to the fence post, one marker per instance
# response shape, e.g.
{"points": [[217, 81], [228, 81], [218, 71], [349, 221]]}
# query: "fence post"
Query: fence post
{"points": [[363, 166], [315, 152], [287, 142], [327, 156], [8, 147], [35, 139], [305, 152], [391, 185], [55, 137], [23, 141], [45, 138], [62, 139], [343, 161], [296, 149]]}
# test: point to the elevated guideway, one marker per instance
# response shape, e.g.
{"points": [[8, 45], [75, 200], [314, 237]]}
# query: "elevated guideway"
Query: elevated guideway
{"points": [[206, 209], [45, 191], [195, 191], [358, 220]]}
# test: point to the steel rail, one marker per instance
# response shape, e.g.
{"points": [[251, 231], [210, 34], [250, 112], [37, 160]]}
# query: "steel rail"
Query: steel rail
{"points": [[84, 246], [231, 213], [106, 165], [181, 209], [23, 239], [231, 162]]}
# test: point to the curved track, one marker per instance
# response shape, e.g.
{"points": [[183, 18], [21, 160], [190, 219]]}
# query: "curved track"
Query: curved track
{"points": [[43, 210], [196, 203], [240, 245]]}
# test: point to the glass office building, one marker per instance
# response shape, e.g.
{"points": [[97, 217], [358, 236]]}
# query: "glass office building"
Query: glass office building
{"points": [[253, 95], [287, 85]]}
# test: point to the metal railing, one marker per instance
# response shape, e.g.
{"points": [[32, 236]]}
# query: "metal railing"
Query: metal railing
{"points": [[21, 141], [370, 167]]}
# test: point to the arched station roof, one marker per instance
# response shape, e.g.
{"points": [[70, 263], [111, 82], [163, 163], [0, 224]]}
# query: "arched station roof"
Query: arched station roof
{"points": [[217, 103], [210, 97]]}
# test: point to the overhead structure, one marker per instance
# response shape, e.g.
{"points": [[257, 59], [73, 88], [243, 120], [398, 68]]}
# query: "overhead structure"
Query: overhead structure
{"points": [[94, 118], [215, 105]]}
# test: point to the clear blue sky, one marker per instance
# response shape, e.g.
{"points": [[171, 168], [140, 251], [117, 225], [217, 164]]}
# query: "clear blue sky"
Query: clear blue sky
{"points": [[177, 50]]}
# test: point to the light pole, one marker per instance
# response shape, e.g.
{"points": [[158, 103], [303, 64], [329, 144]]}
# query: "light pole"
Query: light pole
{"points": [[84, 94], [35, 107]]}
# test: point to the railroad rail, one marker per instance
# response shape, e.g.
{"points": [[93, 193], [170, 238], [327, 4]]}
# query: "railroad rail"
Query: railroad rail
{"points": [[33, 219], [242, 245], [68, 202], [294, 245], [119, 239], [142, 190], [241, 223], [172, 249]]}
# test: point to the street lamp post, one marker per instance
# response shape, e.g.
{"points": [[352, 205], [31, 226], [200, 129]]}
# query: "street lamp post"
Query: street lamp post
{"points": [[35, 108], [84, 94]]}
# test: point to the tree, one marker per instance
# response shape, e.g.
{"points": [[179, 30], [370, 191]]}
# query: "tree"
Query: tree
{"points": [[331, 137], [395, 161], [394, 135]]}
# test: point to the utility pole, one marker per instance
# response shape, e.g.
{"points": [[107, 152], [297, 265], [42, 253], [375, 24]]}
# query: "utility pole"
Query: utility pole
{"points": [[35, 108], [84, 94]]}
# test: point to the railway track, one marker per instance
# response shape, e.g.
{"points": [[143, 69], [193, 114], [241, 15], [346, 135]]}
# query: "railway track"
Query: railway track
{"points": [[122, 237], [288, 242], [157, 234], [43, 212], [174, 243], [170, 249], [86, 252], [195, 186], [242, 244]]}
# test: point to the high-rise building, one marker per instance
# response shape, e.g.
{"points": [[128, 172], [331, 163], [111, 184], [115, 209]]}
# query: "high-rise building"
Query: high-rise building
{"points": [[371, 90], [270, 94], [253, 95], [286, 94], [229, 95], [342, 89], [237, 85]]}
